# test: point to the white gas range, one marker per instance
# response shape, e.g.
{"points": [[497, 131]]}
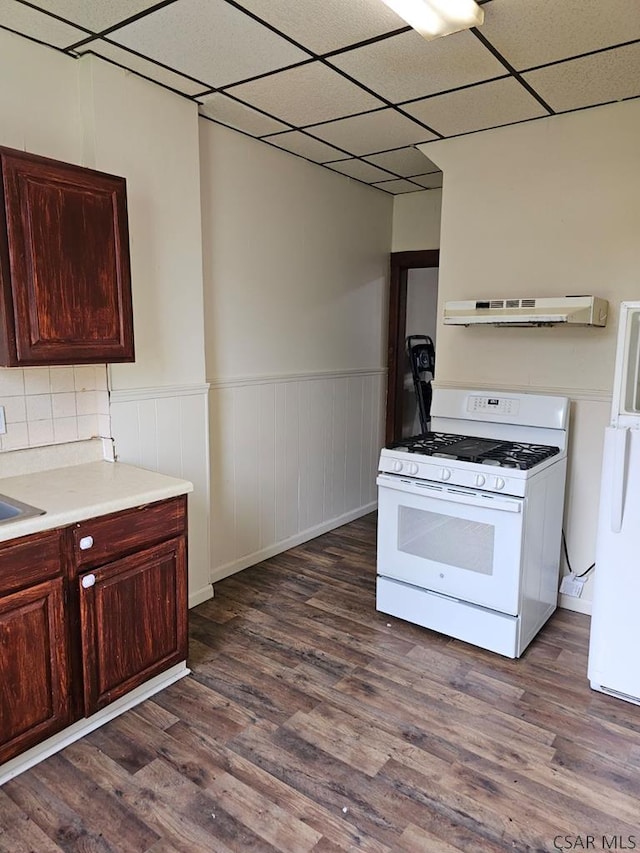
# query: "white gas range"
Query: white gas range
{"points": [[470, 518]]}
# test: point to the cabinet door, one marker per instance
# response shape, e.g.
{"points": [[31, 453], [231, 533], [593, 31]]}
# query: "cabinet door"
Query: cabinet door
{"points": [[133, 615], [34, 670], [64, 264]]}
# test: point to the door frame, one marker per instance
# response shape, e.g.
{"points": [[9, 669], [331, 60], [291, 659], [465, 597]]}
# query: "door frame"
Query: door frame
{"points": [[400, 264]]}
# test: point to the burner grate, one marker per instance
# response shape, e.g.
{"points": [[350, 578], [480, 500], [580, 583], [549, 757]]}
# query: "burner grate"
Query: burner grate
{"points": [[505, 454]]}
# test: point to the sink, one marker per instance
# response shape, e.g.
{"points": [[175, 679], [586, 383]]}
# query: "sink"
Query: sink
{"points": [[13, 510]]}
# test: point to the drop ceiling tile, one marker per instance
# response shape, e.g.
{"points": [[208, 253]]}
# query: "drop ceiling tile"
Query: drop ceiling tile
{"points": [[209, 40], [306, 94], [37, 25], [541, 31], [146, 67], [377, 131], [407, 66], [403, 161], [596, 79], [326, 26], [488, 105], [398, 187], [95, 16], [360, 170], [300, 143], [223, 109], [430, 182]]}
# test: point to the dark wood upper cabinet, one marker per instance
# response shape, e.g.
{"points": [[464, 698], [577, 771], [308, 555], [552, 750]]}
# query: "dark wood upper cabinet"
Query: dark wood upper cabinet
{"points": [[65, 280]]}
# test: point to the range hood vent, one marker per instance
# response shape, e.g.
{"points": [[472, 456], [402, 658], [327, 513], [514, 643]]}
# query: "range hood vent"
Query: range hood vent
{"points": [[571, 310]]}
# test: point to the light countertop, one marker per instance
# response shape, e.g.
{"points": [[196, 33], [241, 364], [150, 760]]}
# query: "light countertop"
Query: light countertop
{"points": [[77, 492]]}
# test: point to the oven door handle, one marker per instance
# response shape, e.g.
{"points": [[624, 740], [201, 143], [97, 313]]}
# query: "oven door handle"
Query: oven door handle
{"points": [[419, 488]]}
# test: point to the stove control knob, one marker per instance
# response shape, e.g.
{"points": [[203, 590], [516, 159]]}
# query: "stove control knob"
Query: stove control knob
{"points": [[480, 480], [499, 484], [412, 468], [397, 466], [445, 473]]}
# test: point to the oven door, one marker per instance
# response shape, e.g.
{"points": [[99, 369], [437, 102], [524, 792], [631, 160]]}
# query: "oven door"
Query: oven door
{"points": [[459, 542]]}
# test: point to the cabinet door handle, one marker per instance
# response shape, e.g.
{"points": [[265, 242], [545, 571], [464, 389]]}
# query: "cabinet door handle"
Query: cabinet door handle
{"points": [[86, 542], [88, 581]]}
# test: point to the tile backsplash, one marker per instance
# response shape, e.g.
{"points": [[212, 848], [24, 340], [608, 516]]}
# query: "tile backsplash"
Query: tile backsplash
{"points": [[53, 405]]}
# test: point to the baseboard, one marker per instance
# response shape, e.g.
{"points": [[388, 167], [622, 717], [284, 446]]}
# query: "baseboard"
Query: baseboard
{"points": [[578, 605], [200, 595], [284, 544]]}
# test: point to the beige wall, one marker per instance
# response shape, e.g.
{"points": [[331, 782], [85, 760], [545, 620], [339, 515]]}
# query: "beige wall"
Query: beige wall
{"points": [[39, 112], [150, 136], [94, 114], [544, 209], [295, 262], [295, 271], [296, 287], [554, 209], [39, 108], [159, 403], [295, 265], [416, 221]]}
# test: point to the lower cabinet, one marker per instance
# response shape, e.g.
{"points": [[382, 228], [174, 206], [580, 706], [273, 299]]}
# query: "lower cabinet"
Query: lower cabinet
{"points": [[87, 614], [133, 622], [34, 669]]}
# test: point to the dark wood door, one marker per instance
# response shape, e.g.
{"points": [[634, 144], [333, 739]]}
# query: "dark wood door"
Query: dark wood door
{"points": [[133, 615], [34, 669], [401, 263], [64, 264]]}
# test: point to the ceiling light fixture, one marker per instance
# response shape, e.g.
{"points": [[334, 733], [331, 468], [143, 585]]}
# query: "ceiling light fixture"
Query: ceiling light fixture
{"points": [[435, 18]]}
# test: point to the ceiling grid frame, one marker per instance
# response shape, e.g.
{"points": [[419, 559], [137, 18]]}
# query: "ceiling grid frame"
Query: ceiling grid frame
{"points": [[564, 56]]}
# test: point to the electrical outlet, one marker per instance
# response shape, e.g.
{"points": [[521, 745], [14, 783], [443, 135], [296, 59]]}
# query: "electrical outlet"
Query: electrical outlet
{"points": [[3, 421], [572, 586]]}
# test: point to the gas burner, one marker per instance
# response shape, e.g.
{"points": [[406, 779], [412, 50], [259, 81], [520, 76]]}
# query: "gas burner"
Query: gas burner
{"points": [[524, 456], [508, 462], [427, 443], [486, 451]]}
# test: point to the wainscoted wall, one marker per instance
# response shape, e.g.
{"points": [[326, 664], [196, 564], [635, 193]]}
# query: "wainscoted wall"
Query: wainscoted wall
{"points": [[166, 430], [291, 457], [53, 405], [590, 414]]}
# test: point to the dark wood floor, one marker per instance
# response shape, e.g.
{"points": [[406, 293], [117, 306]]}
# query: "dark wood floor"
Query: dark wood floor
{"points": [[312, 722]]}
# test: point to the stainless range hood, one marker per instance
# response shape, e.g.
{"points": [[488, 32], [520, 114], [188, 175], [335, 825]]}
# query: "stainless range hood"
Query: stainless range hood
{"points": [[571, 310]]}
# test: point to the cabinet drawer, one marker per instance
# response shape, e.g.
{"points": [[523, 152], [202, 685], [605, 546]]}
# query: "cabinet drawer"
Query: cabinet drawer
{"points": [[29, 560], [103, 539]]}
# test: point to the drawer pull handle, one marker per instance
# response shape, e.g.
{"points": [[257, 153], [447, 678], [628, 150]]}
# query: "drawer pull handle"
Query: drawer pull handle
{"points": [[88, 581], [86, 542]]}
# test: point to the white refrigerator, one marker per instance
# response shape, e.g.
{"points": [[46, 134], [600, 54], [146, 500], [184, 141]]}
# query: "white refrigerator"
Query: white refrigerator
{"points": [[614, 650]]}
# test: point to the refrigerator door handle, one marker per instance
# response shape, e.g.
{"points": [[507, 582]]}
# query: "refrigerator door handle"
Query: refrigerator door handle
{"points": [[618, 477]]}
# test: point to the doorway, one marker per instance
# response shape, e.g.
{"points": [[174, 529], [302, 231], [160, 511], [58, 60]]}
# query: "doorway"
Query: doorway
{"points": [[412, 301]]}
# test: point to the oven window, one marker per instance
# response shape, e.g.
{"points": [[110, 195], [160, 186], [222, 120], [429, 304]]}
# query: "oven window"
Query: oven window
{"points": [[446, 539]]}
